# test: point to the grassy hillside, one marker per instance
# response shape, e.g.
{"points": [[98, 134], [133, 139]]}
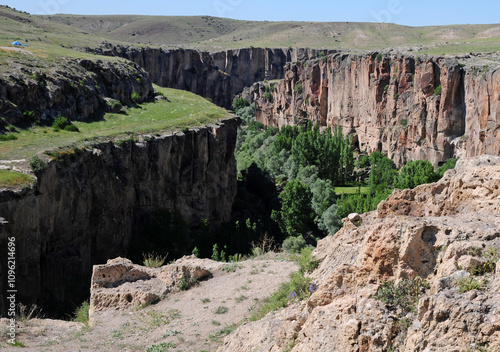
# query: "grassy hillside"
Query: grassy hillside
{"points": [[213, 33], [184, 109]]}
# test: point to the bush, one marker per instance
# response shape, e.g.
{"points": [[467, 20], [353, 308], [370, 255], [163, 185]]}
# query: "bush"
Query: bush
{"points": [[7, 137], [294, 244], [60, 123], [404, 122], [415, 173], [136, 97], [268, 96], [30, 114], [298, 88], [81, 313], [438, 90], [37, 164], [71, 128], [449, 164], [187, 281], [114, 105], [467, 284], [403, 296], [240, 103], [153, 260]]}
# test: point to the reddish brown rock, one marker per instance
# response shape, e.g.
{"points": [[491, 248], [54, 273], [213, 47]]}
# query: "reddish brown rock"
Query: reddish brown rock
{"points": [[407, 107]]}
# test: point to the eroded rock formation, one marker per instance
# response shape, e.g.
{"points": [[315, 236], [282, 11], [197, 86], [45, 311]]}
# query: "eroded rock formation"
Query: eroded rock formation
{"points": [[74, 88], [438, 243], [87, 204], [218, 76], [120, 284], [407, 107]]}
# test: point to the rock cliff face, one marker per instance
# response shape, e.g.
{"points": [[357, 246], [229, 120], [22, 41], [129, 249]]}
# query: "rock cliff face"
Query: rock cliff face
{"points": [[439, 232], [89, 202], [218, 76], [74, 88], [407, 107]]}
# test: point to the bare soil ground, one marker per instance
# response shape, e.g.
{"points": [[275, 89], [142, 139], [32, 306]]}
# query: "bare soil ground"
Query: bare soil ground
{"points": [[193, 320]]}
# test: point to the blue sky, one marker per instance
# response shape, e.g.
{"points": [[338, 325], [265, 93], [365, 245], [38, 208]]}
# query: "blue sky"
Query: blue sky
{"points": [[405, 12]]}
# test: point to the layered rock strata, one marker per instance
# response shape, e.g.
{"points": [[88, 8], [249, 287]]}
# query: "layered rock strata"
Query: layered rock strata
{"points": [[218, 76], [74, 88], [408, 107]]}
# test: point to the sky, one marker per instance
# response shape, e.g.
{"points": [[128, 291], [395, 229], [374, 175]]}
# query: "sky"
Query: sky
{"points": [[404, 12]]}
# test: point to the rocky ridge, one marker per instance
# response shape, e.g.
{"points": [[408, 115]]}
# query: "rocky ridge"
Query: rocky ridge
{"points": [[218, 76], [74, 88], [438, 232], [88, 203], [409, 107]]}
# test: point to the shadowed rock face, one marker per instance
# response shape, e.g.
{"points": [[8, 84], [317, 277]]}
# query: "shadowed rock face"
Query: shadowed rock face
{"points": [[218, 76], [87, 204], [391, 104]]}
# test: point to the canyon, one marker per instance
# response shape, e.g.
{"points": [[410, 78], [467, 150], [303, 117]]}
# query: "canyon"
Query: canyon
{"points": [[385, 101], [88, 202], [406, 106]]}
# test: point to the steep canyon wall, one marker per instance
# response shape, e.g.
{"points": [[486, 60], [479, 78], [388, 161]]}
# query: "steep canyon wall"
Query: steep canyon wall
{"points": [[407, 107], [218, 76], [88, 203]]}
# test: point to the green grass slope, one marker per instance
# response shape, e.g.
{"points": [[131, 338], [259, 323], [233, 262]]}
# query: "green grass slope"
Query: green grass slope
{"points": [[184, 110]]}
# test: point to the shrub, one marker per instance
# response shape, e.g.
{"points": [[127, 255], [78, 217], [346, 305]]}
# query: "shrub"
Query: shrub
{"points": [[114, 105], [298, 88], [11, 128], [404, 122], [467, 284], [60, 123], [29, 114], [449, 164], [221, 310], [37, 164], [294, 244], [240, 103], [81, 313], [415, 173], [404, 296], [153, 260], [187, 282], [71, 128], [438, 90], [7, 137], [306, 261], [268, 96], [136, 97], [379, 57]]}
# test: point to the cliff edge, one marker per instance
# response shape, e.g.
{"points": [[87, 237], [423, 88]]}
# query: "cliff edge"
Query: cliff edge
{"points": [[438, 244]]}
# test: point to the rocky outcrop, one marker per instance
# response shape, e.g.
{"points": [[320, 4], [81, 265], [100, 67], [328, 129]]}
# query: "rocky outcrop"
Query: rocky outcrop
{"points": [[120, 284], [218, 76], [89, 202], [438, 245], [408, 107], [74, 88]]}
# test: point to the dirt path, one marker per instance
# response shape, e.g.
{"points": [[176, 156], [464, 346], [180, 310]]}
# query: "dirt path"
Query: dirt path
{"points": [[194, 320]]}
